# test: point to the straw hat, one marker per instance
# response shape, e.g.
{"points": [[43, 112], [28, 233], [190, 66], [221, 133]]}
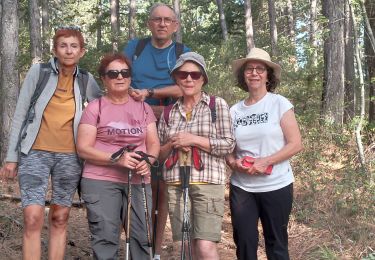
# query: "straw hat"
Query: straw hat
{"points": [[257, 54]]}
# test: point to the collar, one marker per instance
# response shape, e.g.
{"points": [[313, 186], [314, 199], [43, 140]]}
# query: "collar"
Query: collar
{"points": [[55, 66]]}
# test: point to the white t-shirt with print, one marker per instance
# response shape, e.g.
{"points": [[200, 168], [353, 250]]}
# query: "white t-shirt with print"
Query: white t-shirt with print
{"points": [[258, 134]]}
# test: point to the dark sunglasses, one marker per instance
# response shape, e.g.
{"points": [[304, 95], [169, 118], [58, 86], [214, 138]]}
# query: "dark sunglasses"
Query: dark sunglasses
{"points": [[113, 74], [184, 74]]}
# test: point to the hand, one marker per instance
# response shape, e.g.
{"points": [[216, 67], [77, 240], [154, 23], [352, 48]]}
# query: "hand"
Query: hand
{"points": [[182, 141], [258, 166], [129, 160], [9, 171], [138, 94], [237, 166], [142, 168]]}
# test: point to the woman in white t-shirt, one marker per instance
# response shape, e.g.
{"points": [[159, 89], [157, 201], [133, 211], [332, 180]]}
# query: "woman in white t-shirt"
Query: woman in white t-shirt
{"points": [[267, 135], [108, 124]]}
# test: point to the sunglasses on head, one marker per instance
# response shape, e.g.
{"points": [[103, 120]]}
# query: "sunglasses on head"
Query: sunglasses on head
{"points": [[184, 74], [113, 74], [68, 27]]}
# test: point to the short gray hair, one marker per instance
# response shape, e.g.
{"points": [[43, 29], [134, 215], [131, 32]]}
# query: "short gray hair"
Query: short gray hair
{"points": [[156, 5]]}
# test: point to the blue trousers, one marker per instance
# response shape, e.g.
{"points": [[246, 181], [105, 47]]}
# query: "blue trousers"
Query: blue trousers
{"points": [[273, 209]]}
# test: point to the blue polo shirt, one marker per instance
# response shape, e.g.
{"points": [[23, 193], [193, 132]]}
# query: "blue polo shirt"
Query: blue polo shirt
{"points": [[152, 68]]}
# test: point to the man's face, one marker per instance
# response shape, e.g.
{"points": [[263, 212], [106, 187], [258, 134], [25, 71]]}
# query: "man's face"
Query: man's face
{"points": [[162, 23]]}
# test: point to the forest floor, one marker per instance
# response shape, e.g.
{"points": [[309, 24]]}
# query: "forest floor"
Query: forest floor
{"points": [[302, 237]]}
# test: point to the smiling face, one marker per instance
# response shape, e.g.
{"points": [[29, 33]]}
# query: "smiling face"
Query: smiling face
{"points": [[190, 79], [162, 23], [68, 51], [120, 84], [255, 75]]}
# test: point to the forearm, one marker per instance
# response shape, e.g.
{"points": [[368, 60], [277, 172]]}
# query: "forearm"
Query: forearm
{"points": [[284, 153], [202, 143], [95, 156], [165, 150], [172, 91]]}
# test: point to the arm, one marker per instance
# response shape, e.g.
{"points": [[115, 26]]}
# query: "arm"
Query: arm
{"points": [[93, 90], [293, 145], [172, 91]]}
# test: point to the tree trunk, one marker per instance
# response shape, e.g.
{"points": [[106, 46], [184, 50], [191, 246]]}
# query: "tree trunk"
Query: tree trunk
{"points": [[370, 60], [35, 36], [99, 27], [223, 23], [273, 27], [289, 10], [132, 12], [115, 23], [313, 30], [177, 9], [334, 58], [350, 96], [45, 28], [358, 128], [249, 26], [9, 69]]}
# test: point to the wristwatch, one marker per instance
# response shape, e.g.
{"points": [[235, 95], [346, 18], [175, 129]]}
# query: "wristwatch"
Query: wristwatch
{"points": [[150, 92]]}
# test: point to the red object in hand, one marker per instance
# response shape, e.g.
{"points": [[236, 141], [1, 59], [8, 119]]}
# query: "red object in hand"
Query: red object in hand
{"points": [[248, 161]]}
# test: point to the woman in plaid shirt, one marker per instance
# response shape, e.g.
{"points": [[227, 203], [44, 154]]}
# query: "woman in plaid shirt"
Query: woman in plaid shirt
{"points": [[191, 135]]}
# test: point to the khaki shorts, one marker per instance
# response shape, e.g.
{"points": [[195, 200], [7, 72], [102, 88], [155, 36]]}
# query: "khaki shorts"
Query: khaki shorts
{"points": [[206, 211]]}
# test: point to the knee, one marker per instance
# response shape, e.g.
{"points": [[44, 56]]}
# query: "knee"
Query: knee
{"points": [[33, 222], [59, 219], [206, 249]]}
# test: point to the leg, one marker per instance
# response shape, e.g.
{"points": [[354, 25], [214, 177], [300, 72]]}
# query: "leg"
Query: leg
{"points": [[58, 223], [33, 224], [275, 210], [205, 249], [65, 176], [33, 175], [139, 248], [161, 205], [104, 202], [245, 215], [207, 210]]}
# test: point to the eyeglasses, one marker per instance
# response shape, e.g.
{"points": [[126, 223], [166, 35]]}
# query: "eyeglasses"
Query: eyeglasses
{"points": [[68, 27], [159, 20], [259, 70], [113, 74], [195, 75]]}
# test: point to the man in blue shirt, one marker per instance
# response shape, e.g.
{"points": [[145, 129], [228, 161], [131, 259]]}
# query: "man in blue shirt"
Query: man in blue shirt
{"points": [[151, 81]]}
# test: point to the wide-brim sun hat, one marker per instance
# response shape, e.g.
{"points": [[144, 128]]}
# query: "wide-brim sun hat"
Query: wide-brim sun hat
{"points": [[194, 57], [257, 54]]}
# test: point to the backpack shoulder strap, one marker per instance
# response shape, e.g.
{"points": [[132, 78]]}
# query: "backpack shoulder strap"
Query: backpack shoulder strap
{"points": [[140, 46], [44, 73], [167, 111], [83, 78], [179, 48], [212, 106]]}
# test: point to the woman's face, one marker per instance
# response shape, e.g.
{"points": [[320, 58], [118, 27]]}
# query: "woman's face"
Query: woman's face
{"points": [[117, 77], [190, 79], [255, 75], [68, 51]]}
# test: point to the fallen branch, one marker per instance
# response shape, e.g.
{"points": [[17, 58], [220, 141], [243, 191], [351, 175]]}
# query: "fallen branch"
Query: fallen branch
{"points": [[76, 204]]}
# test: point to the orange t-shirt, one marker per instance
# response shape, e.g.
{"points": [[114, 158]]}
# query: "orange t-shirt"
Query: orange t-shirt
{"points": [[56, 131]]}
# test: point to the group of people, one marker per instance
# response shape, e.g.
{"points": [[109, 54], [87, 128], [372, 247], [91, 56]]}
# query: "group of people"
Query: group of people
{"points": [[153, 111]]}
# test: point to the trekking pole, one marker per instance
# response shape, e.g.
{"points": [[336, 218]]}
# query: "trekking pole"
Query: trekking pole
{"points": [[156, 213], [129, 148], [185, 168]]}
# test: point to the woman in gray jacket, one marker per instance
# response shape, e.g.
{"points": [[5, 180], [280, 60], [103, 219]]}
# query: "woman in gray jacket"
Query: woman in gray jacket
{"points": [[45, 146]]}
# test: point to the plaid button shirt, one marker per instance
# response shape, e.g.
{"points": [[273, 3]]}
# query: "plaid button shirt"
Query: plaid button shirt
{"points": [[219, 133]]}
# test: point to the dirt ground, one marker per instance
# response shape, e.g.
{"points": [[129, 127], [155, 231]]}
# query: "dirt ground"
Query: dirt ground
{"points": [[78, 247]]}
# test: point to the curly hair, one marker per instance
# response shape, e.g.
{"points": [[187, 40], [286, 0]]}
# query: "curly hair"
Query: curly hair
{"points": [[271, 83]]}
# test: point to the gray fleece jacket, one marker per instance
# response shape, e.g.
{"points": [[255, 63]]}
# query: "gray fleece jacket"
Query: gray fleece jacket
{"points": [[27, 90]]}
